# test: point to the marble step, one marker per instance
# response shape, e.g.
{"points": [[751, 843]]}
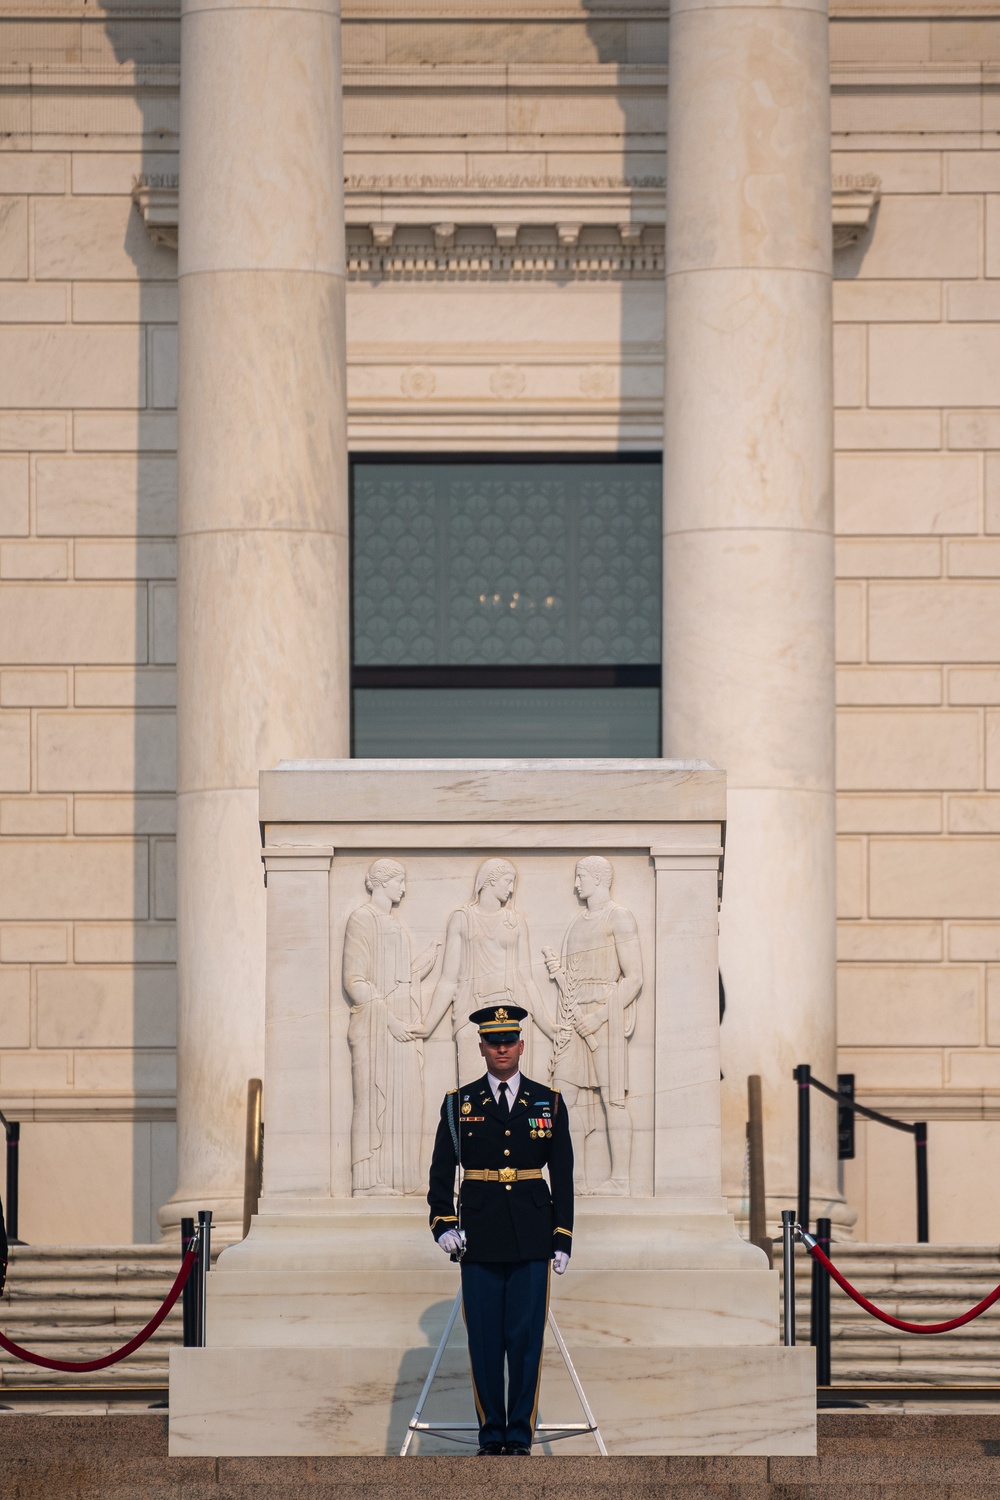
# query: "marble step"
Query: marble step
{"points": [[102, 1255], [79, 1304], [112, 1334], [913, 1312], [922, 1284], [126, 1376], [92, 1311], [862, 1455]]}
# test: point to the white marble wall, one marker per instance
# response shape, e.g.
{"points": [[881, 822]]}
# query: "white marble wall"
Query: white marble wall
{"points": [[918, 567]]}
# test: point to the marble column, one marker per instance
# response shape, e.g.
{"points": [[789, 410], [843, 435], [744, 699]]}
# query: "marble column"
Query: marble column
{"points": [[748, 543], [263, 669]]}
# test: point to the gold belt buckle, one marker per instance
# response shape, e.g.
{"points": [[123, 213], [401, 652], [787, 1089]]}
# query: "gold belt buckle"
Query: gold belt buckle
{"points": [[508, 1174]]}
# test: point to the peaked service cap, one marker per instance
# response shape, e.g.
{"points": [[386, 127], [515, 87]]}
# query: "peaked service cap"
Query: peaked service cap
{"points": [[499, 1020]]}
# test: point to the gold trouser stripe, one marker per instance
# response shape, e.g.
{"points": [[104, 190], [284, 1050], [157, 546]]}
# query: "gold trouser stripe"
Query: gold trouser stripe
{"points": [[538, 1382], [472, 1374], [514, 1174]]}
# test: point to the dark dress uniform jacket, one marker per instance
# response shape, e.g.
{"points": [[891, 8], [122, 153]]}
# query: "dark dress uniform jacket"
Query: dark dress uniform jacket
{"points": [[505, 1221]]}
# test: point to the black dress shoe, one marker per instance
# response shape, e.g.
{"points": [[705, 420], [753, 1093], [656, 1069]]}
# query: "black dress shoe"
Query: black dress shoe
{"points": [[490, 1450], [518, 1450]]}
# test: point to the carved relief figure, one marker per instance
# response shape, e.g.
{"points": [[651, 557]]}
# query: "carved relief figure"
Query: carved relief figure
{"points": [[486, 962], [599, 976], [382, 983]]}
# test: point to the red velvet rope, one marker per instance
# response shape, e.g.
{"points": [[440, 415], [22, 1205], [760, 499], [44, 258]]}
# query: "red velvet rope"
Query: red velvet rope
{"points": [[885, 1317], [80, 1366]]}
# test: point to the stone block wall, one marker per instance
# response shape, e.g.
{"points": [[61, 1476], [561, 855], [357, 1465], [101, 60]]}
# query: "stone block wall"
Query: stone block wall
{"points": [[918, 561], [88, 312], [87, 517]]}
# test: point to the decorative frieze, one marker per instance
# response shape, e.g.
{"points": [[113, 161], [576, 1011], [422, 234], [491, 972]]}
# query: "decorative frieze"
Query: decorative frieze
{"points": [[418, 382]]}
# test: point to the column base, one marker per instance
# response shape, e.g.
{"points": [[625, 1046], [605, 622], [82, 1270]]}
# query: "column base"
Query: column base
{"points": [[227, 1216], [841, 1214]]}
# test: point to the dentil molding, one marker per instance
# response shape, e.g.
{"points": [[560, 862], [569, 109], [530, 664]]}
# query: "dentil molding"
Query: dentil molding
{"points": [[495, 251]]}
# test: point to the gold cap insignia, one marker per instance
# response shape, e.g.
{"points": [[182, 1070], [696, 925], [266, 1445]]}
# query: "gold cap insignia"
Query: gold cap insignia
{"points": [[500, 1014]]}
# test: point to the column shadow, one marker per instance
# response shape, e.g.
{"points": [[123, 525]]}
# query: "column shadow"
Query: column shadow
{"points": [[151, 45]]}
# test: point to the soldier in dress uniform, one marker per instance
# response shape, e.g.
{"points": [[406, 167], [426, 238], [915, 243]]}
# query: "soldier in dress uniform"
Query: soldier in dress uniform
{"points": [[507, 1128]]}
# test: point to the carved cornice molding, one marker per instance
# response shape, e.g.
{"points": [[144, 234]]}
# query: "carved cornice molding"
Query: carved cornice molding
{"points": [[933, 1104], [855, 199], [421, 226], [78, 1105], [156, 199], [54, 77]]}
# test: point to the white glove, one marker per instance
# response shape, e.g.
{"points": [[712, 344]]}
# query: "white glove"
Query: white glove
{"points": [[450, 1242], [560, 1260]]}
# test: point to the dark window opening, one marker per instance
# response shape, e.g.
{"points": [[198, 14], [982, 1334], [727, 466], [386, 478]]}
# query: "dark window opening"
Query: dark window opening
{"points": [[506, 607]]}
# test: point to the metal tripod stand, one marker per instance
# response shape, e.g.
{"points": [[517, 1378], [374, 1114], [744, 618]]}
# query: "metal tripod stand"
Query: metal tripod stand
{"points": [[552, 1430]]}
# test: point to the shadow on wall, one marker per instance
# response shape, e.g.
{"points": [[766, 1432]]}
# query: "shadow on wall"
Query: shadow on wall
{"points": [[638, 114], [849, 258], [95, 1171], [100, 1175], [152, 46], [450, 1398]]}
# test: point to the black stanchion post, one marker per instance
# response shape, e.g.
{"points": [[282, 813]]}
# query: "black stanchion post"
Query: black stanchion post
{"points": [[788, 1262], [845, 1117], [13, 1133], [189, 1296], [197, 1293], [821, 1306], [813, 1312], [923, 1224], [204, 1264], [803, 1077]]}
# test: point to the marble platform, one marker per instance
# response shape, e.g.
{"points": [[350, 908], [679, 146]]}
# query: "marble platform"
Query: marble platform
{"points": [[322, 1323], [723, 1400]]}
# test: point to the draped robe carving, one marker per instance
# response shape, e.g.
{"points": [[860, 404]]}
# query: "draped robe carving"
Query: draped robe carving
{"points": [[386, 1060]]}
